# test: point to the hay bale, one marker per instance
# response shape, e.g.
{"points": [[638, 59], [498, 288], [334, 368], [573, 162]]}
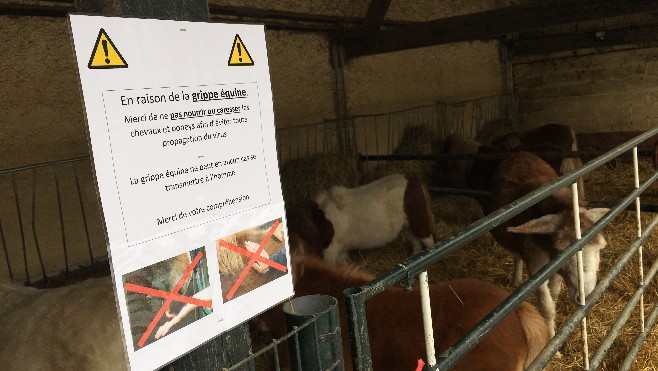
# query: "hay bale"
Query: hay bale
{"points": [[302, 178]]}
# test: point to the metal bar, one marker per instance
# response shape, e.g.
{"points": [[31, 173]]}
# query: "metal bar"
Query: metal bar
{"points": [[568, 326], [84, 214], [297, 351], [274, 344], [61, 221], [44, 164], [358, 328], [417, 263], [34, 223], [4, 248], [489, 156], [632, 353], [20, 226], [277, 362], [470, 340], [612, 333]]}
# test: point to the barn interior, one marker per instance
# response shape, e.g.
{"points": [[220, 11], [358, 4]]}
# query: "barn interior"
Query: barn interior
{"points": [[354, 84]]}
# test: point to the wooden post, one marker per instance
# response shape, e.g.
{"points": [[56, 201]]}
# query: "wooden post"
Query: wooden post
{"points": [[235, 344]]}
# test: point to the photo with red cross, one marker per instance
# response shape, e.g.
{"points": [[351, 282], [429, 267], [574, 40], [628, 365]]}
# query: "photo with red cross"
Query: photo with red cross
{"points": [[166, 296], [251, 258]]}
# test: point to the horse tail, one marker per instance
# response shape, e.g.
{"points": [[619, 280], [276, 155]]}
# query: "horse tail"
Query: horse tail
{"points": [[535, 330]]}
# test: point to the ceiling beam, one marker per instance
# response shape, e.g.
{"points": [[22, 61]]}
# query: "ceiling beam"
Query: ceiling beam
{"points": [[375, 15], [490, 24], [584, 40]]}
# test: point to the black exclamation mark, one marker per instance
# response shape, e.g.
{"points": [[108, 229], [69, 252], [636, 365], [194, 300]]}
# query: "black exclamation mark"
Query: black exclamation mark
{"points": [[107, 60], [239, 51]]}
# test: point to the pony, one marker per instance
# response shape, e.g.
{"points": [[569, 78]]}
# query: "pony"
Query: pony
{"points": [[542, 231], [231, 263], [74, 327], [395, 324], [341, 219]]}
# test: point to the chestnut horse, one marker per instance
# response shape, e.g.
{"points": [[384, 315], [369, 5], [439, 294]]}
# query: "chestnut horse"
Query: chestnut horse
{"points": [[395, 325]]}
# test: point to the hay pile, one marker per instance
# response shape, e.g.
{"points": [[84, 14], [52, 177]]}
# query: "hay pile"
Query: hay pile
{"points": [[303, 178], [483, 259], [415, 140]]}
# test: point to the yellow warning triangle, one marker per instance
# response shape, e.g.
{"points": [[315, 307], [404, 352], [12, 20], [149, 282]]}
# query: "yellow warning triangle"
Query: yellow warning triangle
{"points": [[105, 54], [239, 54]]}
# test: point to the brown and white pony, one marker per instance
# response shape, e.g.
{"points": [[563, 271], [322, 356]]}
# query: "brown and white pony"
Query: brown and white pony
{"points": [[395, 324], [545, 229], [341, 219], [68, 328], [544, 140]]}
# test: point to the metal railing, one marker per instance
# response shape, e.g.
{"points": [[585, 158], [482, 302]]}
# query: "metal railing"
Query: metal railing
{"points": [[45, 223], [408, 269]]}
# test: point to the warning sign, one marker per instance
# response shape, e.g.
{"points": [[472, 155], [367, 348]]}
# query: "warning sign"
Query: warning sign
{"points": [[105, 54], [185, 158], [239, 54]]}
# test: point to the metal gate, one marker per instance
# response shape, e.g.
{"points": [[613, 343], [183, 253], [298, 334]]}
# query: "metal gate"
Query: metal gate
{"points": [[62, 196]]}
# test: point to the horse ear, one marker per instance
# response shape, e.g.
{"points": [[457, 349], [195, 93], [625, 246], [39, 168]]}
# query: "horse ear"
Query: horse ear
{"points": [[547, 224], [596, 213]]}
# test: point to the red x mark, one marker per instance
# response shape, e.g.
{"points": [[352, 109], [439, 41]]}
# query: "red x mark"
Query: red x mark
{"points": [[255, 256], [170, 296]]}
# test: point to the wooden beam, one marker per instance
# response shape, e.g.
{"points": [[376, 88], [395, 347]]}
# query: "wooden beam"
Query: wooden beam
{"points": [[584, 40], [375, 15], [491, 24]]}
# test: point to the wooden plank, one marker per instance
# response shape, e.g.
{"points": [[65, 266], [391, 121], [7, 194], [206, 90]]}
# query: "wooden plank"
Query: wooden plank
{"points": [[583, 40], [490, 24]]}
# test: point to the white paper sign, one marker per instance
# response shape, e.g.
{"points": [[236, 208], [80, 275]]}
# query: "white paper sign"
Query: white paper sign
{"points": [[181, 129]]}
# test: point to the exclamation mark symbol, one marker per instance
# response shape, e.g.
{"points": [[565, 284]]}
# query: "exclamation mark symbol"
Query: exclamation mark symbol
{"points": [[107, 60], [239, 51]]}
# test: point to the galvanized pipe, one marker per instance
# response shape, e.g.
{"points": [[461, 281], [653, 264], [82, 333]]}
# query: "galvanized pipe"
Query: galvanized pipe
{"points": [[470, 340], [623, 317], [418, 263], [358, 328], [356, 297], [632, 353], [570, 324]]}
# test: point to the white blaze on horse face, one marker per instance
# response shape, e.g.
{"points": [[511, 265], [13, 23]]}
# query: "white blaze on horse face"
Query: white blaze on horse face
{"points": [[591, 260]]}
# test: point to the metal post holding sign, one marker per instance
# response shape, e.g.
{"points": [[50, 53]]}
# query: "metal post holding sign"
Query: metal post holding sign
{"points": [[317, 347]]}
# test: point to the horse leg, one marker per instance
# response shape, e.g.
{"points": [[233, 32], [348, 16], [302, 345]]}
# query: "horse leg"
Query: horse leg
{"points": [[336, 253], [555, 285], [518, 271]]}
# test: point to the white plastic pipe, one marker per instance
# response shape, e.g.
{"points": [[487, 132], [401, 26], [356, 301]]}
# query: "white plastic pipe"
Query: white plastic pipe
{"points": [[581, 282], [639, 234], [427, 318]]}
